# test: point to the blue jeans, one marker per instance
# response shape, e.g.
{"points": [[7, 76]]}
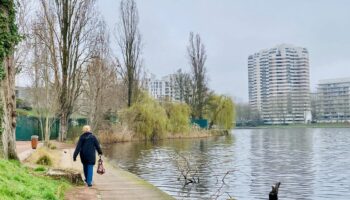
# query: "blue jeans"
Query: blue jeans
{"points": [[88, 172]]}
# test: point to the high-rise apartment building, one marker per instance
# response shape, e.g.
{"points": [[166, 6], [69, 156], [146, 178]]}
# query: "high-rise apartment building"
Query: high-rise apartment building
{"points": [[333, 103], [279, 84]]}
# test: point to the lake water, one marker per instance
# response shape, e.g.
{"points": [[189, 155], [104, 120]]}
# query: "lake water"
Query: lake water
{"points": [[310, 164]]}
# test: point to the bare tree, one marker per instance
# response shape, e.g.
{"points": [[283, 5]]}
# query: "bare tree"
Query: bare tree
{"points": [[197, 57], [44, 98], [101, 86], [69, 30], [130, 45], [245, 114], [184, 83], [9, 38], [23, 19]]}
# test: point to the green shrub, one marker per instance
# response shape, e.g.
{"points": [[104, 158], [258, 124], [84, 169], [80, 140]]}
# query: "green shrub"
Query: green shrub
{"points": [[178, 117], [21, 112], [44, 160], [146, 117], [40, 169], [51, 146]]}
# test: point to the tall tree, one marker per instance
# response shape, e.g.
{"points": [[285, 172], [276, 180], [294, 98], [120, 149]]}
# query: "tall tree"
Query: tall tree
{"points": [[69, 32], [130, 45], [184, 84], [197, 57], [44, 97], [9, 38], [101, 86]]}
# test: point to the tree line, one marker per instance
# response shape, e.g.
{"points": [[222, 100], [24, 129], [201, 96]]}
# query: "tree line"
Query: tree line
{"points": [[65, 47]]}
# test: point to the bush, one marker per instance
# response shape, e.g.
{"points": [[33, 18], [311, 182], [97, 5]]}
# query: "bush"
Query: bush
{"points": [[146, 117], [21, 112], [178, 117], [40, 169], [51, 146], [44, 160], [115, 134]]}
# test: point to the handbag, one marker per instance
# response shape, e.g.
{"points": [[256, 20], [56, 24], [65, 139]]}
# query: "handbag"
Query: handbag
{"points": [[100, 169]]}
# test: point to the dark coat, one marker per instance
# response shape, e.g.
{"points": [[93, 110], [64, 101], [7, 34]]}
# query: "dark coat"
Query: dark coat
{"points": [[87, 147]]}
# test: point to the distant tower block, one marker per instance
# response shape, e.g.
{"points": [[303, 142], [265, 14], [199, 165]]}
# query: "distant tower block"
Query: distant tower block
{"points": [[279, 84]]}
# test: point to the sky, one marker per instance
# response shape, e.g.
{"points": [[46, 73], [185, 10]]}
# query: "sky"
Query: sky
{"points": [[233, 29]]}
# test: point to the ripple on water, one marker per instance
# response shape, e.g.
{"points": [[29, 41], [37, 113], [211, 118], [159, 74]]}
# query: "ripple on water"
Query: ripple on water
{"points": [[311, 164]]}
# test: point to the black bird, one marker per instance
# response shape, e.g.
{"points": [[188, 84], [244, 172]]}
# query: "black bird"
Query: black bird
{"points": [[274, 192]]}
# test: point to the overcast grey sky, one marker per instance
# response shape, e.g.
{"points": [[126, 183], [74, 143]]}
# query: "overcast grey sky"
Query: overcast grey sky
{"points": [[233, 29]]}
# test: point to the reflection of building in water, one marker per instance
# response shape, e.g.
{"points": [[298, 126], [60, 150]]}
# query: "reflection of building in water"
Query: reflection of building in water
{"points": [[279, 84], [334, 100]]}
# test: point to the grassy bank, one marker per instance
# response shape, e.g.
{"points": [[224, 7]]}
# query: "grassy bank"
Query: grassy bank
{"points": [[315, 125], [117, 134], [18, 182]]}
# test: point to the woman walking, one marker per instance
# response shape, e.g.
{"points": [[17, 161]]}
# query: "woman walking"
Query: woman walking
{"points": [[87, 147]]}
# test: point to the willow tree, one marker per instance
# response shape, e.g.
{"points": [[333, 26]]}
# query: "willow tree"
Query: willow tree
{"points": [[129, 40], [197, 56], [67, 34], [220, 111], [9, 38]]}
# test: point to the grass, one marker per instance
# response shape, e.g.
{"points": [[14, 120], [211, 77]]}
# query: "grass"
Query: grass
{"points": [[44, 156], [20, 183]]}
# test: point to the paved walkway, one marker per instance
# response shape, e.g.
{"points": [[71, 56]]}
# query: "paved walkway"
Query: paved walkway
{"points": [[115, 184], [24, 149]]}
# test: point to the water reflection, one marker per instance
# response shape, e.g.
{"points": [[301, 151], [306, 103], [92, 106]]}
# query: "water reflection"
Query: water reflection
{"points": [[310, 163], [284, 157]]}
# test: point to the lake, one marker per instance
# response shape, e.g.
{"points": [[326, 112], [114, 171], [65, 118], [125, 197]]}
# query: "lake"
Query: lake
{"points": [[310, 164]]}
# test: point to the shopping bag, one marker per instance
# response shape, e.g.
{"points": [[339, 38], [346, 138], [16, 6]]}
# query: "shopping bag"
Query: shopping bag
{"points": [[100, 169]]}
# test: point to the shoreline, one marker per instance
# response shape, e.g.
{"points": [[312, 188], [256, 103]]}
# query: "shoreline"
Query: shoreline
{"points": [[117, 183], [323, 125], [117, 137]]}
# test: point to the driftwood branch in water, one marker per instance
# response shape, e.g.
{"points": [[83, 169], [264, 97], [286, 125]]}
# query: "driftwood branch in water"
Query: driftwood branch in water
{"points": [[274, 192]]}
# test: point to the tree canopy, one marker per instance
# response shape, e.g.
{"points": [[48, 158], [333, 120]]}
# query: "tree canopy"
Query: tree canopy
{"points": [[220, 111]]}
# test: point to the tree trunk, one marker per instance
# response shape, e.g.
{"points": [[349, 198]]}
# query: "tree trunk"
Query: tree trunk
{"points": [[9, 110], [63, 127], [47, 130], [130, 90]]}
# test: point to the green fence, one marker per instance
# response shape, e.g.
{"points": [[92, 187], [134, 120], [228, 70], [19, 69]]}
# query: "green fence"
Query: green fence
{"points": [[28, 126], [203, 123]]}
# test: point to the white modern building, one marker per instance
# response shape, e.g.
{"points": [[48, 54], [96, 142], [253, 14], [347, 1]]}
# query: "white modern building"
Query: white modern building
{"points": [[164, 88], [279, 84], [333, 100]]}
